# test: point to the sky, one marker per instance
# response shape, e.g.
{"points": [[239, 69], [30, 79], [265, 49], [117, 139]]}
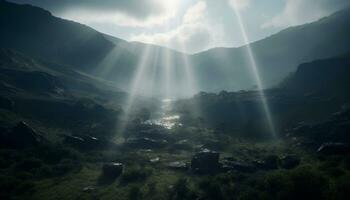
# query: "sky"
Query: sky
{"points": [[190, 26]]}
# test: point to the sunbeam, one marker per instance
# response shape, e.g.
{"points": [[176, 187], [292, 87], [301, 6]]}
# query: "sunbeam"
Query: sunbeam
{"points": [[134, 89], [108, 62], [256, 73]]}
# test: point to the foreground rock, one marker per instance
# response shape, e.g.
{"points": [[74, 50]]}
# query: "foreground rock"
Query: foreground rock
{"points": [[334, 149], [205, 162], [112, 170]]}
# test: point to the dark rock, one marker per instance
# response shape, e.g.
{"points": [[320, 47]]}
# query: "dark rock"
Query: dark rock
{"points": [[205, 162], [145, 143], [88, 142], [237, 166], [290, 161], [155, 134], [112, 170], [74, 141], [184, 145], [334, 149], [214, 145], [268, 163], [177, 165], [22, 136]]}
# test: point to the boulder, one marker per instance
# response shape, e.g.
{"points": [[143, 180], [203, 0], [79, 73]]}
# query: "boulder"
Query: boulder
{"points": [[112, 170], [290, 161], [145, 143], [334, 149], [205, 162], [177, 165]]}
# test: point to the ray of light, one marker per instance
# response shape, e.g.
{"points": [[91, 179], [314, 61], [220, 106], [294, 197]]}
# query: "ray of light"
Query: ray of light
{"points": [[167, 80], [256, 73], [189, 75], [108, 62], [135, 87]]}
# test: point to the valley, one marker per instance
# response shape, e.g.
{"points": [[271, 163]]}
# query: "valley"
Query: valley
{"points": [[92, 116]]}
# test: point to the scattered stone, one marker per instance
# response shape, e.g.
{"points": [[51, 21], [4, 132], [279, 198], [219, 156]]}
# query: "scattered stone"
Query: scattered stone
{"points": [[334, 149], [290, 161], [184, 145], [89, 189], [205, 162], [155, 160], [145, 143], [74, 141], [112, 170], [178, 165], [268, 163]]}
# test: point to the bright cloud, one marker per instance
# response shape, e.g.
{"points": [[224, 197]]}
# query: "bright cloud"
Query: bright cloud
{"points": [[239, 4], [194, 34]]}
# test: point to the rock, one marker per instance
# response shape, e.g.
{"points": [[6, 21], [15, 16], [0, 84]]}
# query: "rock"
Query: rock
{"points": [[214, 145], [74, 141], [184, 145], [290, 161], [89, 189], [334, 149], [177, 165], [205, 162], [145, 143], [88, 142], [154, 160], [22, 136], [237, 166], [112, 170], [268, 163]]}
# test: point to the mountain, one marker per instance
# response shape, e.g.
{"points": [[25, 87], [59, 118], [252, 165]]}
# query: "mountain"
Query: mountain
{"points": [[158, 71], [310, 95], [37, 33], [276, 56]]}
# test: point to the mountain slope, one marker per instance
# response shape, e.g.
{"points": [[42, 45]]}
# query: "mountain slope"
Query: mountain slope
{"points": [[279, 54], [163, 72], [37, 33]]}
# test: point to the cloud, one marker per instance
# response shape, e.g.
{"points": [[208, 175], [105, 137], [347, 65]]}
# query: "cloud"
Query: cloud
{"points": [[239, 4], [118, 12], [298, 12], [194, 34]]}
